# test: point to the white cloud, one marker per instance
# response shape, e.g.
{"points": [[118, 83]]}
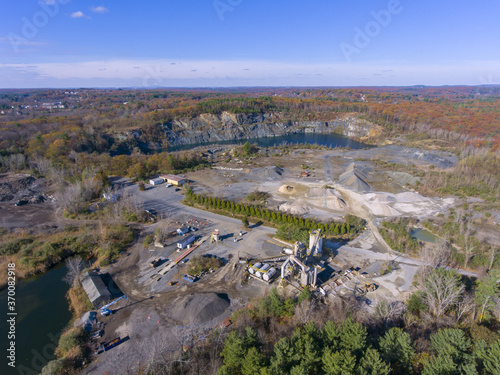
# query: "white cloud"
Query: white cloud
{"points": [[99, 9], [49, 2], [78, 14], [191, 73]]}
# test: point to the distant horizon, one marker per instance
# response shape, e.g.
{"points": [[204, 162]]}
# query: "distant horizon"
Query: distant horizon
{"points": [[240, 87]]}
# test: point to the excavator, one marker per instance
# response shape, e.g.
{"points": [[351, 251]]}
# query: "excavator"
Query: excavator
{"points": [[105, 311]]}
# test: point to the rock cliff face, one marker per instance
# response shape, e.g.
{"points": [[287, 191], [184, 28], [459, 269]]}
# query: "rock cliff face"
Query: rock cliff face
{"points": [[228, 126]]}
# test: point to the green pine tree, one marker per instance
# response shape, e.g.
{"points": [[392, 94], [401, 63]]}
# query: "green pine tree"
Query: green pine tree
{"points": [[338, 363], [397, 350], [372, 364], [252, 362]]}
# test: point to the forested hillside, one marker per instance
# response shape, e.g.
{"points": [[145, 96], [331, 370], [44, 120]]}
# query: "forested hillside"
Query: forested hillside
{"points": [[51, 123]]}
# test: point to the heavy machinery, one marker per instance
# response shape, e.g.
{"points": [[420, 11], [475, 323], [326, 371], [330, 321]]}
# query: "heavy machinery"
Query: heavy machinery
{"points": [[368, 287], [155, 262], [105, 311]]}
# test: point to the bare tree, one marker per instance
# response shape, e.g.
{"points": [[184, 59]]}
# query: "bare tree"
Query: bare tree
{"points": [[304, 311], [465, 305], [437, 255], [16, 162], [496, 309], [493, 254], [74, 197], [161, 232], [467, 231], [41, 165], [469, 248], [75, 266], [442, 290], [389, 311], [126, 203]]}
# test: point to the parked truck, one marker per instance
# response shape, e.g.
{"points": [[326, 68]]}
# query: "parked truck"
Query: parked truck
{"points": [[190, 278]]}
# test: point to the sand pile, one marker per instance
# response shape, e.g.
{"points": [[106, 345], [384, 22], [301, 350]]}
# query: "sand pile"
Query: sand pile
{"points": [[199, 308], [333, 203], [271, 173], [286, 189], [295, 208], [355, 179]]}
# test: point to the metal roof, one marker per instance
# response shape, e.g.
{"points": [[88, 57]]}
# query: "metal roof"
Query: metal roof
{"points": [[94, 286], [172, 177], [187, 240]]}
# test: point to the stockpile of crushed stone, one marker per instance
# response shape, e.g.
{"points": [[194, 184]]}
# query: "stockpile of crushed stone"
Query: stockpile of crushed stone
{"points": [[199, 308], [271, 173], [380, 197], [327, 198], [295, 208], [355, 178], [334, 203], [18, 185]]}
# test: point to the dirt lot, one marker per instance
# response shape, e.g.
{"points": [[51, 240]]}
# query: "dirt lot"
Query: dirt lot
{"points": [[27, 216], [14, 187], [157, 310]]}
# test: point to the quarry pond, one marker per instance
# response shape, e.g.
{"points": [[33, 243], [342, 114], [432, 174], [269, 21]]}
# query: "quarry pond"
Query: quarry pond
{"points": [[327, 139], [42, 313]]}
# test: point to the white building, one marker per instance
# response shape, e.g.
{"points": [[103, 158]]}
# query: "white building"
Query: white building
{"points": [[156, 181]]}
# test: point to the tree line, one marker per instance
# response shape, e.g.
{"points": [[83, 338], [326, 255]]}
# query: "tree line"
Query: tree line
{"points": [[351, 225]]}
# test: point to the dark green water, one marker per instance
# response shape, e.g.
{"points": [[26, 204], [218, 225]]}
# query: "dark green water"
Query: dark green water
{"points": [[329, 140], [423, 235], [42, 313]]}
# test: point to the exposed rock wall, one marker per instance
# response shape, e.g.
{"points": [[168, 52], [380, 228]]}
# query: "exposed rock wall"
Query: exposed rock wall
{"points": [[228, 126]]}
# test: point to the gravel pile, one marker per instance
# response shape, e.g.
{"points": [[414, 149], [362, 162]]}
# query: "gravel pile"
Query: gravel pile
{"points": [[295, 208], [199, 308], [18, 185], [271, 173], [355, 178]]}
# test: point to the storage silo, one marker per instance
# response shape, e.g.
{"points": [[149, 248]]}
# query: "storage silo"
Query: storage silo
{"points": [[262, 270], [269, 274], [254, 268]]}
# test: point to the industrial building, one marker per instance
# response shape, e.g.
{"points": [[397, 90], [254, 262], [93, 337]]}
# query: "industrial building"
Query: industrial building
{"points": [[95, 288], [156, 181], [186, 241], [300, 263], [182, 230], [315, 243], [174, 180]]}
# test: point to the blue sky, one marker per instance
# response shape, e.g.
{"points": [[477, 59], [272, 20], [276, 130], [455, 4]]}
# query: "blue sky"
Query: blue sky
{"points": [[218, 43]]}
